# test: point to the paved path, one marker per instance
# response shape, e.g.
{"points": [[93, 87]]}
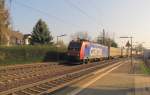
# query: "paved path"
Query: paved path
{"points": [[118, 82], [121, 81]]}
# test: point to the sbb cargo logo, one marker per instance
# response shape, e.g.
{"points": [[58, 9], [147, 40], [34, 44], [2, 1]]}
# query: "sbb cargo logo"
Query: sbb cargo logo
{"points": [[95, 52]]}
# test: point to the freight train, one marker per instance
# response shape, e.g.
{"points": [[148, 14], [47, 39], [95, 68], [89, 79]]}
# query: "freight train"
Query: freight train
{"points": [[85, 51]]}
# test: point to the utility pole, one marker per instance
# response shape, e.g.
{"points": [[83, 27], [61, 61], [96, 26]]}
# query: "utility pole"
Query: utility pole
{"points": [[109, 45], [103, 37], [57, 46], [130, 51]]}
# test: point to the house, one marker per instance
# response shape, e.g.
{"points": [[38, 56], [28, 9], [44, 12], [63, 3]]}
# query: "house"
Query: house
{"points": [[27, 39]]}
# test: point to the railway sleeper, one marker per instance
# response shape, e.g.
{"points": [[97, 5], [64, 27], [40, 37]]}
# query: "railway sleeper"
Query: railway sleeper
{"points": [[48, 85], [51, 84], [37, 88], [66, 80], [21, 93], [55, 82], [61, 80], [44, 86], [30, 91]]}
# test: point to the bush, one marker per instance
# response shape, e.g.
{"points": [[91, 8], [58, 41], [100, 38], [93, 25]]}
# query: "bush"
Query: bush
{"points": [[28, 54], [145, 69]]}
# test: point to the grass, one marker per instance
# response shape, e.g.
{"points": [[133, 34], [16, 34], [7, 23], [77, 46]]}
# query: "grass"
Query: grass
{"points": [[20, 61], [145, 69]]}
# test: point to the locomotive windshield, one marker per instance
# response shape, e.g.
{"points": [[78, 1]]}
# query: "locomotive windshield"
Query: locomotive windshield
{"points": [[74, 46]]}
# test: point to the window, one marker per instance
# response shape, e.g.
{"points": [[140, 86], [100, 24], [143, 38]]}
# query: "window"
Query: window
{"points": [[74, 46]]}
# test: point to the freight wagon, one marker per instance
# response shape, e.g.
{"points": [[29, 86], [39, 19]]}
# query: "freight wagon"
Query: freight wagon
{"points": [[123, 52], [115, 52], [118, 52]]}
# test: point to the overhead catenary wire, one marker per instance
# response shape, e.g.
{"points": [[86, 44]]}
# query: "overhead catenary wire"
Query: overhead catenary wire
{"points": [[99, 11], [45, 13], [81, 11], [102, 26], [91, 18]]}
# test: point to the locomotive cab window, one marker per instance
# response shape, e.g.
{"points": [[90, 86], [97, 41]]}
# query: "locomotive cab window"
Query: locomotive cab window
{"points": [[75, 46]]}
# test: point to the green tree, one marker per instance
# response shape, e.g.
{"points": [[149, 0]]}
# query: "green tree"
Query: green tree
{"points": [[41, 34], [113, 44], [128, 44]]}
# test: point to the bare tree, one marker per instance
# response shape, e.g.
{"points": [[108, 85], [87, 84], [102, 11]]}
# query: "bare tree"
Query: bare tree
{"points": [[4, 24], [78, 36]]}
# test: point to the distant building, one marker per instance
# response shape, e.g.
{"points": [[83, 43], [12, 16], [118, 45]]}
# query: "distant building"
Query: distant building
{"points": [[27, 39], [16, 38]]}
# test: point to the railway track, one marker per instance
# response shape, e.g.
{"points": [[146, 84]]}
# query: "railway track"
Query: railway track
{"points": [[17, 76], [42, 79]]}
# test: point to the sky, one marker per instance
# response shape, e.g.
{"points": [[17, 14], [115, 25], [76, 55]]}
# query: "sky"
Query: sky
{"points": [[117, 17]]}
